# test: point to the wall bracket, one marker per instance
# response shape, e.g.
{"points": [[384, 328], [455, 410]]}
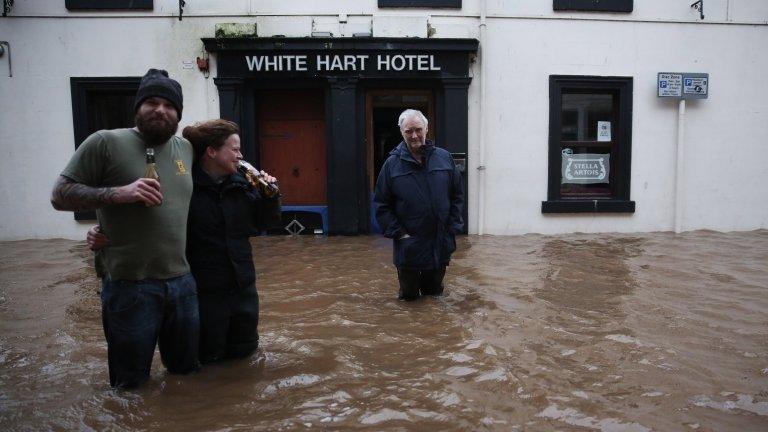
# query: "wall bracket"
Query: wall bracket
{"points": [[699, 6]]}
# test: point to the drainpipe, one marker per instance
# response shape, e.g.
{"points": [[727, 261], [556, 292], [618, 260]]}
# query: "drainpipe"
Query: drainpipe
{"points": [[481, 145]]}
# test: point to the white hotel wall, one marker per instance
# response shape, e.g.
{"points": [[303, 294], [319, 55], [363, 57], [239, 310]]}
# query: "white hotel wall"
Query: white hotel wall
{"points": [[725, 134], [527, 42]]}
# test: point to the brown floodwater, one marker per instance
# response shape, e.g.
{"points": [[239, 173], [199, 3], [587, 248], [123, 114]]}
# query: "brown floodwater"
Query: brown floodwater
{"points": [[643, 332]]}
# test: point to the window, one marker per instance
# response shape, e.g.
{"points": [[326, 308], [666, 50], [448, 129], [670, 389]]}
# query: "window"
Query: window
{"points": [[101, 103], [593, 5], [456, 4], [108, 4], [590, 134]]}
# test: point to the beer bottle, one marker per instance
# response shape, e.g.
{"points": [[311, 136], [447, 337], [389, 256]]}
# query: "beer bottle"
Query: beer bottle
{"points": [[254, 177], [150, 171]]}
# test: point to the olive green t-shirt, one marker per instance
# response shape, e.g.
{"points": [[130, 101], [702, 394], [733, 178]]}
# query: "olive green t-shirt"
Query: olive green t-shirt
{"points": [[144, 242]]}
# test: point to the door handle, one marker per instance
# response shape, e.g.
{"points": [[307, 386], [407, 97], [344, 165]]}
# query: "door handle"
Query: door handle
{"points": [[295, 171]]}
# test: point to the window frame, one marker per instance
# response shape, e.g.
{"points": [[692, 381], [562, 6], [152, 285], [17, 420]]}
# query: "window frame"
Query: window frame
{"points": [[625, 6], [81, 87], [621, 152], [446, 4], [109, 4]]}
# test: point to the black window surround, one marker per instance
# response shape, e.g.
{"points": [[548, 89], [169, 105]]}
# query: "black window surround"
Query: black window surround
{"points": [[83, 90], [621, 152], [109, 4], [454, 4], [593, 5]]}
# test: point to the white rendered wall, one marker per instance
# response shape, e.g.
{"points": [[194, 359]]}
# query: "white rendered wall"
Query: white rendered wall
{"points": [[726, 135]]}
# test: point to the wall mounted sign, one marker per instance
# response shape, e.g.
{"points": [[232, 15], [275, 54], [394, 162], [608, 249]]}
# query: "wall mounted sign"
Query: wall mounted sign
{"points": [[603, 131], [357, 58], [585, 168], [345, 63], [395, 63], [686, 85], [669, 84], [695, 86]]}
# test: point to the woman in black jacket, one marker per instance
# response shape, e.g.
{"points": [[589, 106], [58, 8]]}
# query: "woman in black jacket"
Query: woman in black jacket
{"points": [[225, 211]]}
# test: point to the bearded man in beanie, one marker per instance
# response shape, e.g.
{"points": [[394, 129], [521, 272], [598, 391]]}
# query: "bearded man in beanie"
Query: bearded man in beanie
{"points": [[148, 294]]}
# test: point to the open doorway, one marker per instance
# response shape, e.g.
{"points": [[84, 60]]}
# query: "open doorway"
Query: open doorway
{"points": [[383, 107]]}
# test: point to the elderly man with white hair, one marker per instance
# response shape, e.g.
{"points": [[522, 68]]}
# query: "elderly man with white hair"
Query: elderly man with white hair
{"points": [[419, 201]]}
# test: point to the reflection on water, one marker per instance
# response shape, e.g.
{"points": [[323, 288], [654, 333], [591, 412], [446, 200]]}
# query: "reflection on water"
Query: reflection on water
{"points": [[578, 332]]}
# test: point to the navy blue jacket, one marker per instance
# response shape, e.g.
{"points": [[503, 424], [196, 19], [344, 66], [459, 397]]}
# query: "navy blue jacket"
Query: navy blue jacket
{"points": [[222, 218], [424, 202]]}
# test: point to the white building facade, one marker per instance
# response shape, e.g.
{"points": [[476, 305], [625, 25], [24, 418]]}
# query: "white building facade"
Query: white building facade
{"points": [[552, 108]]}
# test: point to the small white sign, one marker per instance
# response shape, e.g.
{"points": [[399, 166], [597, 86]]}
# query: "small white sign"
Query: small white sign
{"points": [[603, 131], [187, 64], [670, 84]]}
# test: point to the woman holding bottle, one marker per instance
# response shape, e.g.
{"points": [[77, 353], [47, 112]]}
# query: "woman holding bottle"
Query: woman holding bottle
{"points": [[230, 203]]}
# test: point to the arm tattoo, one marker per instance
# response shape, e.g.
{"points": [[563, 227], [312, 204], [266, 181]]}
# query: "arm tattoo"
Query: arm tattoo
{"points": [[73, 196]]}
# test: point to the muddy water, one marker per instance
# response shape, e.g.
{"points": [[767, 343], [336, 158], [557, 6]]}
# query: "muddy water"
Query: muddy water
{"points": [[581, 332]]}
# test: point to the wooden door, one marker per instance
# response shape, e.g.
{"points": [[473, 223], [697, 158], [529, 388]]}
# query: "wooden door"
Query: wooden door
{"points": [[292, 143]]}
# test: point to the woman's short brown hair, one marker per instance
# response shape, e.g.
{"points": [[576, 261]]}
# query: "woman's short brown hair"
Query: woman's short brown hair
{"points": [[209, 133]]}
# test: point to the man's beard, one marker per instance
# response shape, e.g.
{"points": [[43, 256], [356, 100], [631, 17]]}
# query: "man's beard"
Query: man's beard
{"points": [[156, 129]]}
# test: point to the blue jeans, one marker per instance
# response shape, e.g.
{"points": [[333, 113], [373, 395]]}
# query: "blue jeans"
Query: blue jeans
{"points": [[138, 314]]}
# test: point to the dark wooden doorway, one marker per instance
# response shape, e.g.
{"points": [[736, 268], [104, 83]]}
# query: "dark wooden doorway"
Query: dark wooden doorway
{"points": [[292, 143]]}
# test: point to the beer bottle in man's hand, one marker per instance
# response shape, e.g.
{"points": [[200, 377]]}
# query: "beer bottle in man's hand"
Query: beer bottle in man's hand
{"points": [[150, 171]]}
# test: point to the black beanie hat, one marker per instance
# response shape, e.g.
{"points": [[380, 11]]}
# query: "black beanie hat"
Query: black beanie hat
{"points": [[156, 83]]}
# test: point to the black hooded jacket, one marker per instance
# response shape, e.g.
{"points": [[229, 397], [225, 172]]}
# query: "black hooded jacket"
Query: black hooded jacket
{"points": [[222, 218]]}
